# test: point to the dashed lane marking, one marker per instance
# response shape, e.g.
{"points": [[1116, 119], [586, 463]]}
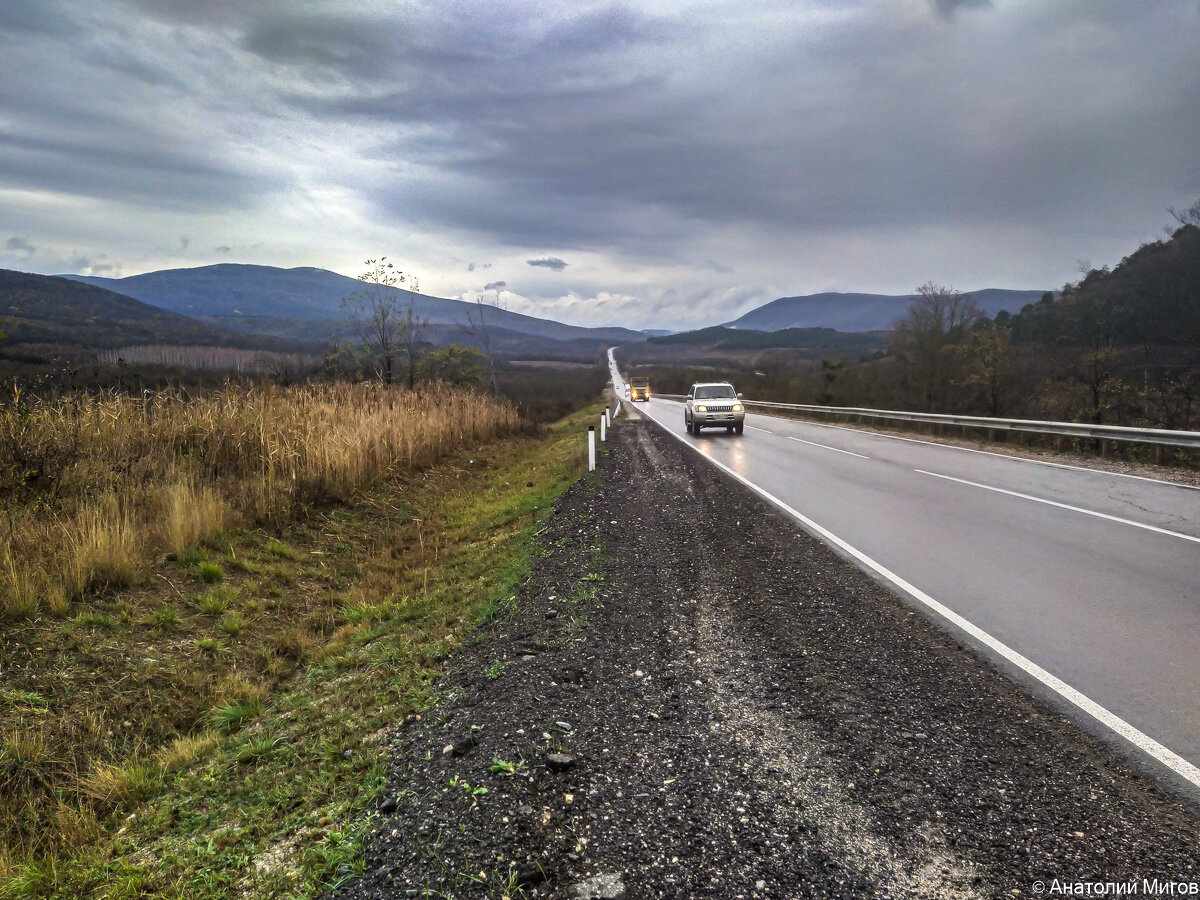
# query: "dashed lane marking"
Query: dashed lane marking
{"points": [[1078, 509], [825, 447]]}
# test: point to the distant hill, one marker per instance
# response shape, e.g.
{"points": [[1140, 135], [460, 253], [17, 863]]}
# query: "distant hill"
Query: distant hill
{"points": [[44, 309], [861, 312], [234, 294], [722, 338]]}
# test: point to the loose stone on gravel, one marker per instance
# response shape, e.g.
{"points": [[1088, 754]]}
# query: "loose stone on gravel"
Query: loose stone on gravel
{"points": [[560, 762], [599, 887]]}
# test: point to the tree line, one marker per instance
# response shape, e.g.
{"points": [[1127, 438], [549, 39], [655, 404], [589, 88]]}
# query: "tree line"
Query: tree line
{"points": [[1119, 346]]}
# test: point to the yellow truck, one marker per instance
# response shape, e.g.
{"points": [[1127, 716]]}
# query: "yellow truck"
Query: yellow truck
{"points": [[639, 388]]}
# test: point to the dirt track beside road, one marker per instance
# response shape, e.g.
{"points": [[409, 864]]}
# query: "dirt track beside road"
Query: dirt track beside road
{"points": [[694, 698]]}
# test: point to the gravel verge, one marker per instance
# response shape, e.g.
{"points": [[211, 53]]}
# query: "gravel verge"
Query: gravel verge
{"points": [[691, 697]]}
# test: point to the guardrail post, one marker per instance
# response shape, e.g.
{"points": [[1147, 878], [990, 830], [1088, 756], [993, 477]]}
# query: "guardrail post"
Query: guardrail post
{"points": [[591, 448], [1158, 454]]}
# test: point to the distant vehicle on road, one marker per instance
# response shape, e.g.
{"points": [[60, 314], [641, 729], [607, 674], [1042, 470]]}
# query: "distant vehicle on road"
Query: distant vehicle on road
{"points": [[713, 403], [639, 388]]}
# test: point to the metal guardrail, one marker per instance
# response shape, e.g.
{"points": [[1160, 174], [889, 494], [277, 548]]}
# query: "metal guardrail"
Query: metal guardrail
{"points": [[1161, 436]]}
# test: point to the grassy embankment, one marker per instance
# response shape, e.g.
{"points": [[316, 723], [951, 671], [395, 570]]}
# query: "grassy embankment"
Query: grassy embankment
{"points": [[215, 609]]}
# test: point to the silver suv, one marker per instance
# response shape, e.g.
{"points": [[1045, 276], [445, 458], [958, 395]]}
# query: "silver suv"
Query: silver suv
{"points": [[713, 403]]}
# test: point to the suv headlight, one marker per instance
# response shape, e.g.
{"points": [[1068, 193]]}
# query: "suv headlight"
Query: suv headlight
{"points": [[701, 408], [737, 407]]}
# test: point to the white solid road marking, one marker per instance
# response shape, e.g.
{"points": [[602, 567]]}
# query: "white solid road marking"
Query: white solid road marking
{"points": [[1110, 720], [825, 447], [1078, 509], [756, 428]]}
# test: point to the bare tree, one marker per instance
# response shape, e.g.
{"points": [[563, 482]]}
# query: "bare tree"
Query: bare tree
{"points": [[412, 329], [937, 320], [480, 328], [387, 327], [1189, 216]]}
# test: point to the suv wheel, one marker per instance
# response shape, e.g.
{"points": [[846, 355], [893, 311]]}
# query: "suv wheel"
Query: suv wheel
{"points": [[740, 427]]}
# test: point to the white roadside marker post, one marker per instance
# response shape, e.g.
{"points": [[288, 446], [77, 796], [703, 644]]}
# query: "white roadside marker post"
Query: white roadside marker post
{"points": [[591, 448], [602, 437]]}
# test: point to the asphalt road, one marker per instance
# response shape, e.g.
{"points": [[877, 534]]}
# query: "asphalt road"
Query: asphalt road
{"points": [[1094, 577]]}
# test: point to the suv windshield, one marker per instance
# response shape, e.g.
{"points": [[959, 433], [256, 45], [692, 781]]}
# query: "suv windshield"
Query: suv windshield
{"points": [[715, 392]]}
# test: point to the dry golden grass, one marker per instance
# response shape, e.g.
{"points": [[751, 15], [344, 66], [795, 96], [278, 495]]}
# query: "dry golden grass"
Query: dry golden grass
{"points": [[103, 547], [188, 514], [93, 486], [115, 786], [183, 751], [19, 592], [97, 494]]}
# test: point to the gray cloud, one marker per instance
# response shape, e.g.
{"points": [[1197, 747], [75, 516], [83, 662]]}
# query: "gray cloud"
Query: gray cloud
{"points": [[947, 8], [19, 245], [698, 157], [495, 286], [549, 262], [44, 17]]}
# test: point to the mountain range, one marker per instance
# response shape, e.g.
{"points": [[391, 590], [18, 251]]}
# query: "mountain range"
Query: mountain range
{"points": [[43, 309], [862, 312], [272, 308], [269, 300]]}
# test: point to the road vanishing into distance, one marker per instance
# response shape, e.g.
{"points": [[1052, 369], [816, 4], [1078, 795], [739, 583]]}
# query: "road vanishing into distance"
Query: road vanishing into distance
{"points": [[1090, 576]]}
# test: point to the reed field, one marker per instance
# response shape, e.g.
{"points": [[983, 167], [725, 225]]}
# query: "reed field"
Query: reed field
{"points": [[154, 582], [90, 486]]}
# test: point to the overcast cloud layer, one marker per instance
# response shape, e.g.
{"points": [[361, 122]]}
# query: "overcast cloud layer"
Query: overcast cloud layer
{"points": [[668, 164]]}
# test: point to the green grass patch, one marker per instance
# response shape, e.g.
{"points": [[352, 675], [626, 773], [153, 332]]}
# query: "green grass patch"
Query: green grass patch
{"points": [[193, 556], [210, 646], [96, 620], [232, 624], [280, 550], [209, 572], [164, 618], [229, 717], [245, 768]]}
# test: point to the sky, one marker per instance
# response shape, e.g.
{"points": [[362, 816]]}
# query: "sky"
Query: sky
{"points": [[669, 164]]}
